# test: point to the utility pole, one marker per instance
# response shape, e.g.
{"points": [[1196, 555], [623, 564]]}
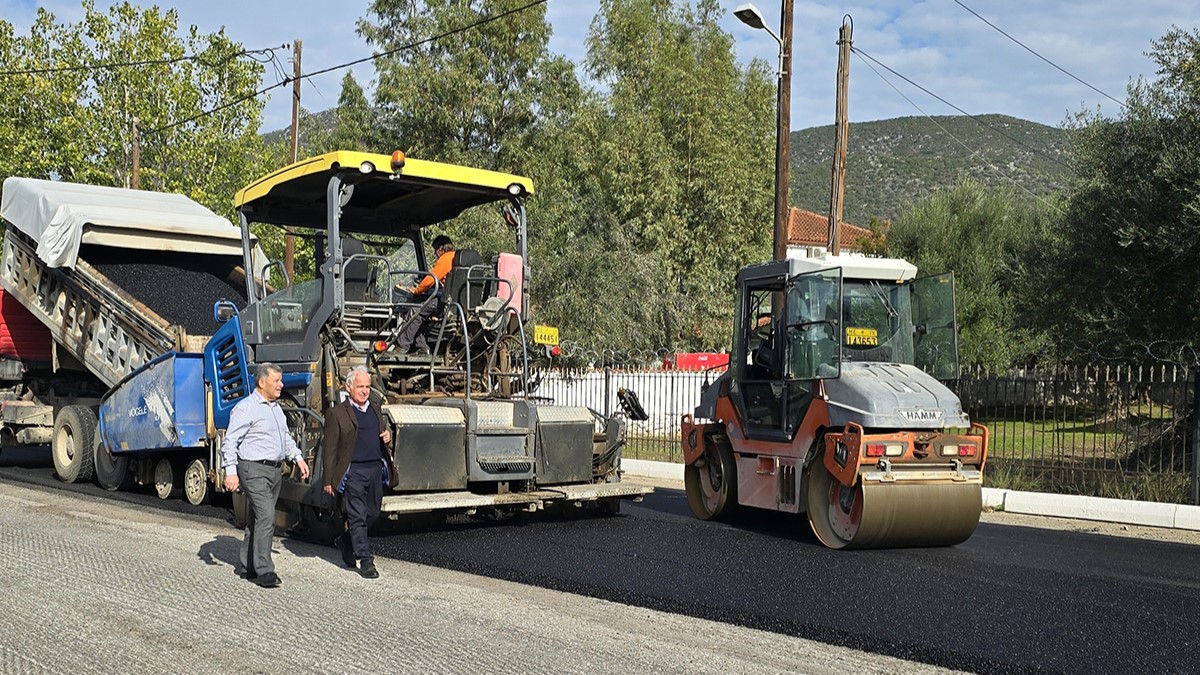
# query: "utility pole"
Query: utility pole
{"points": [[289, 240], [841, 132], [782, 142], [135, 178]]}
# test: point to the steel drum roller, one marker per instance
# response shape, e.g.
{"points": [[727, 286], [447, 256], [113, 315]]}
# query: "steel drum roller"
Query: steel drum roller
{"points": [[873, 515]]}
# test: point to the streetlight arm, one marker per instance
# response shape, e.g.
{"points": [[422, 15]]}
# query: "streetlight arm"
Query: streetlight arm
{"points": [[778, 39]]}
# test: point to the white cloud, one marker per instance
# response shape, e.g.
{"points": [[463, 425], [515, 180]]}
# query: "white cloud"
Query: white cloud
{"points": [[936, 43]]}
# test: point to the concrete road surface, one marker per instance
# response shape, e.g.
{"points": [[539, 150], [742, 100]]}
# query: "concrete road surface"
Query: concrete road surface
{"points": [[92, 585]]}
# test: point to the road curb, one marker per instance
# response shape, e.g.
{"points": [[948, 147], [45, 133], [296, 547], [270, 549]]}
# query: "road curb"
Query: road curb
{"points": [[1151, 514]]}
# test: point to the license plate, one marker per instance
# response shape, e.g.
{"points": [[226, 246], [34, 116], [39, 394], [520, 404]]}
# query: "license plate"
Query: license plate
{"points": [[862, 337], [545, 335]]}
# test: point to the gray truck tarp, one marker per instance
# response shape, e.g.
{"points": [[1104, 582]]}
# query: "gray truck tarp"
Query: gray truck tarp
{"points": [[60, 216]]}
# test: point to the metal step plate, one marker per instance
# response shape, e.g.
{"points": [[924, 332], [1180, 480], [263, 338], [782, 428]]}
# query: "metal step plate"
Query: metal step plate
{"points": [[437, 501], [601, 490]]}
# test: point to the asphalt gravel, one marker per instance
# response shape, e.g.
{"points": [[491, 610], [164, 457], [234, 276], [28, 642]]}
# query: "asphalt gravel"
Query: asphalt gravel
{"points": [[179, 287], [1009, 600]]}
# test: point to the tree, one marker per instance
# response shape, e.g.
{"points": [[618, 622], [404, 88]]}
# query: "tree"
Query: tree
{"points": [[40, 111], [1125, 277], [672, 161], [478, 94], [197, 117], [353, 130], [985, 237]]}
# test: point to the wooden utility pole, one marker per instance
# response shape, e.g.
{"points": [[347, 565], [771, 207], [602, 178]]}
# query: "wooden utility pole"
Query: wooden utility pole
{"points": [[841, 132], [289, 241], [135, 177], [783, 130]]}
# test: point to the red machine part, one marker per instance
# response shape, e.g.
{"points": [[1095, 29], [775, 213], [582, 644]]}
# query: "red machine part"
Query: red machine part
{"points": [[22, 336]]}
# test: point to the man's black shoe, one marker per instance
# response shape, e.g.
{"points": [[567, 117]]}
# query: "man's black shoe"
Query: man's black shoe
{"points": [[368, 570], [249, 575], [268, 580], [343, 544]]}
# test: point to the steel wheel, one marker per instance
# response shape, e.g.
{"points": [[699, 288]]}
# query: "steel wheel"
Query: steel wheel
{"points": [[711, 483], [889, 515], [195, 482], [834, 510]]}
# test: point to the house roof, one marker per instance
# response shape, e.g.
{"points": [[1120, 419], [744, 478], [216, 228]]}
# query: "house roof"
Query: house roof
{"points": [[807, 228]]}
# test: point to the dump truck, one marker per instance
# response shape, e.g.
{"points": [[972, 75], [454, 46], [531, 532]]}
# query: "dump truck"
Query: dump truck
{"points": [[168, 354], [833, 406], [111, 281]]}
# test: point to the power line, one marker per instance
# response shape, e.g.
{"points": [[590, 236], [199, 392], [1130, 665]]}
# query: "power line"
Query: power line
{"points": [[219, 108], [974, 153], [288, 80], [411, 45], [148, 62], [977, 120], [1031, 51]]}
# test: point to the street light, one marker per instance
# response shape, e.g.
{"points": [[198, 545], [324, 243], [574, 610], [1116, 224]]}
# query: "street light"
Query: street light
{"points": [[749, 15]]}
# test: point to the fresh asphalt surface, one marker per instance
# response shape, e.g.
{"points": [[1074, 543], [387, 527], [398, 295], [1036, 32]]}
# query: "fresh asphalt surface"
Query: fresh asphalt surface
{"points": [[1010, 599]]}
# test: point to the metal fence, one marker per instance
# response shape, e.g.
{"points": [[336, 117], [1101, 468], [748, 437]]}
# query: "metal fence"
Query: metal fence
{"points": [[1109, 430]]}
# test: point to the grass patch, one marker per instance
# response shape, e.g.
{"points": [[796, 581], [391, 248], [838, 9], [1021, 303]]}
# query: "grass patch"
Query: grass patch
{"points": [[1012, 476]]}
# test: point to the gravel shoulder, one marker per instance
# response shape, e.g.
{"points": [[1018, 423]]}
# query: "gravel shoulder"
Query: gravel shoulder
{"points": [[102, 586]]}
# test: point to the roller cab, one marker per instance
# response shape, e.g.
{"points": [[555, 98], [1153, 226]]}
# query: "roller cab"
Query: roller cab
{"points": [[832, 406]]}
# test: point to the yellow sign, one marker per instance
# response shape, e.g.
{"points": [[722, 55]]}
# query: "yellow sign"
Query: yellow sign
{"points": [[862, 337], [545, 335]]}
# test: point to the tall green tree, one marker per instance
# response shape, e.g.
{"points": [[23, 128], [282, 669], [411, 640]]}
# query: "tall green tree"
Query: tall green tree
{"points": [[197, 118], [475, 95], [1126, 275], [352, 129], [672, 159], [41, 121]]}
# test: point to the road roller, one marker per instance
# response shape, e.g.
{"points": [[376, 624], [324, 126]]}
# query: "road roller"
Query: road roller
{"points": [[833, 405]]}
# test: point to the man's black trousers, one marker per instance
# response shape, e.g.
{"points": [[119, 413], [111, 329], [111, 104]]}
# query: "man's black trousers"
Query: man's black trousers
{"points": [[361, 498]]}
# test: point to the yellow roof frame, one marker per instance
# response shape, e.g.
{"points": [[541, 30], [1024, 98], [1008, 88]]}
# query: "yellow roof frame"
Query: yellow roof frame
{"points": [[420, 192], [418, 169]]}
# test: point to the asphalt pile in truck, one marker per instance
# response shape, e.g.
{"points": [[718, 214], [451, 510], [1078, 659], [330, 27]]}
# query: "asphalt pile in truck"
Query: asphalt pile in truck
{"points": [[179, 287]]}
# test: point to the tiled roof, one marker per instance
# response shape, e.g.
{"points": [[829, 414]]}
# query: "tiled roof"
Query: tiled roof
{"points": [[806, 228]]}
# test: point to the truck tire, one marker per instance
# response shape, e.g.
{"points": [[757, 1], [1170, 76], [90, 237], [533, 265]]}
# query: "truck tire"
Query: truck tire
{"points": [[711, 482], [72, 443], [112, 472], [195, 482]]}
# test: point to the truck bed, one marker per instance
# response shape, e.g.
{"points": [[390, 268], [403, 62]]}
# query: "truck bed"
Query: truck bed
{"points": [[114, 329]]}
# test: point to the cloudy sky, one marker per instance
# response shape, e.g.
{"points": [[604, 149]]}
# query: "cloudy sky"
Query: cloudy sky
{"points": [[937, 44]]}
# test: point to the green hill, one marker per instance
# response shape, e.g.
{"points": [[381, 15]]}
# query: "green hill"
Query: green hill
{"points": [[890, 163]]}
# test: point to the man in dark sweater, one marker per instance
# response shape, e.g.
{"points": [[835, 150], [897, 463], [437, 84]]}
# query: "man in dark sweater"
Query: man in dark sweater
{"points": [[357, 463]]}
